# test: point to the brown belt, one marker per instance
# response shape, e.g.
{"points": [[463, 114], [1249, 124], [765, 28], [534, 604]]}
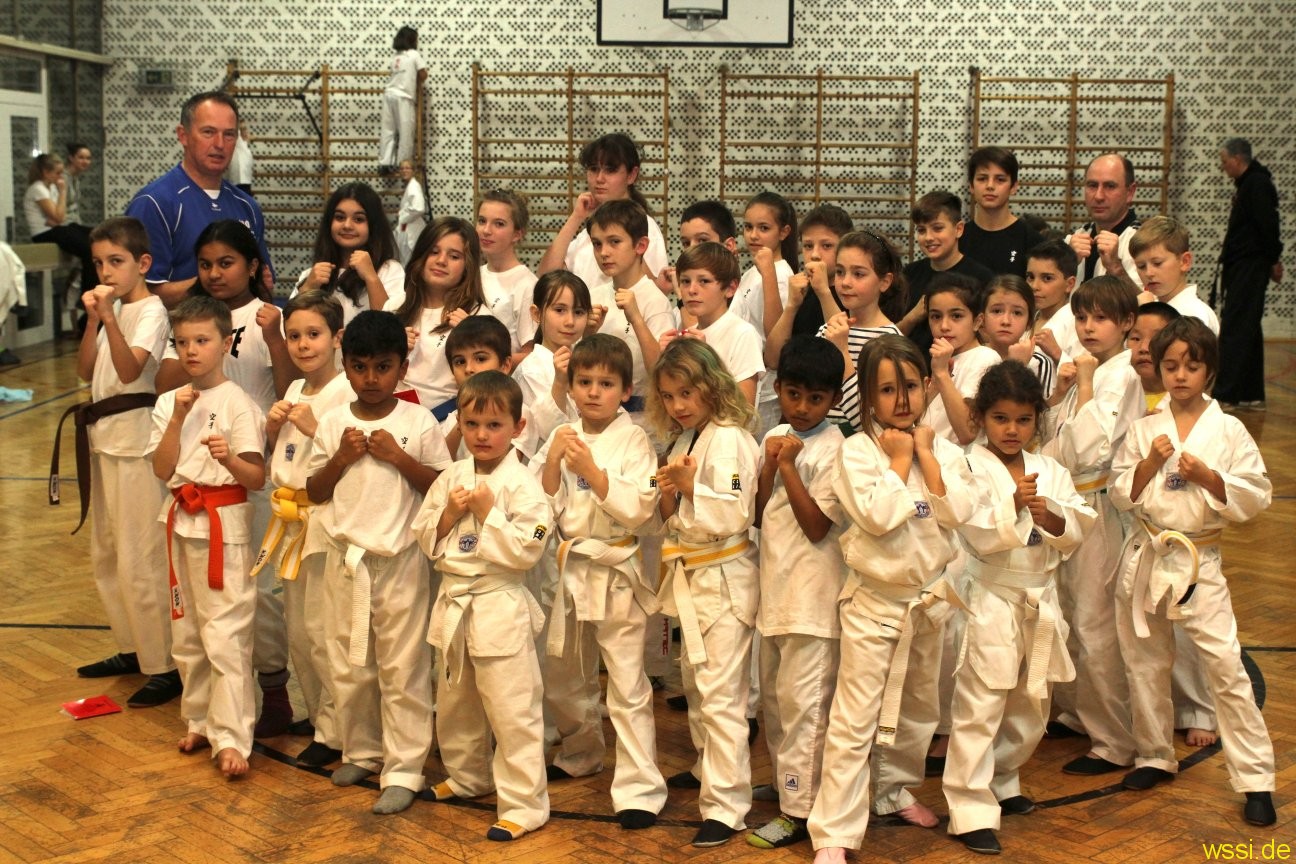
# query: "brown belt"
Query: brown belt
{"points": [[85, 415]]}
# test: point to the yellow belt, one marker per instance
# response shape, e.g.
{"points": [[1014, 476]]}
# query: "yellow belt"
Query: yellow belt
{"points": [[1093, 485], [287, 505], [688, 557]]}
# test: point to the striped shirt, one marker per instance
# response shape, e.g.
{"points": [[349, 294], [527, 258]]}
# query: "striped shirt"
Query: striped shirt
{"points": [[848, 410]]}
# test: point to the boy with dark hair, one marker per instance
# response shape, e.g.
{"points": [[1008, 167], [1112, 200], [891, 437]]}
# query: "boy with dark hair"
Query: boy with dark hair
{"points": [[1184, 473], [120, 360], [938, 225], [637, 312], [207, 444], [484, 523], [1050, 273], [801, 572], [708, 222], [598, 476], [995, 237], [371, 462]]}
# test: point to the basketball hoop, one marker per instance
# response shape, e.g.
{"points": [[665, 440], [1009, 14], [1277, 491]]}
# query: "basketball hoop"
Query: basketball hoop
{"points": [[694, 20]]}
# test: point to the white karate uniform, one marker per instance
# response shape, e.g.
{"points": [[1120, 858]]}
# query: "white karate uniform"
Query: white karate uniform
{"points": [[715, 599], [749, 304], [800, 633], [1014, 637], [396, 129], [900, 539], [377, 590], [603, 589], [580, 258], [303, 586], [517, 283], [1150, 566], [411, 219], [127, 551], [211, 640], [485, 621], [967, 370], [392, 276], [1084, 442]]}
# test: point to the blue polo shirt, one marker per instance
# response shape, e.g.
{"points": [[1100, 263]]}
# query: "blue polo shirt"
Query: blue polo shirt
{"points": [[175, 210]]}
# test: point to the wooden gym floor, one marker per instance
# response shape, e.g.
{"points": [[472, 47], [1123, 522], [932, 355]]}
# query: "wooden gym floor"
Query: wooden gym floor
{"points": [[114, 788]]}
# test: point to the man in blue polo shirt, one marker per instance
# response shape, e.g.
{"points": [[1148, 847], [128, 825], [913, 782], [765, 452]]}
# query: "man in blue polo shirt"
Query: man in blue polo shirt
{"points": [[176, 207]]}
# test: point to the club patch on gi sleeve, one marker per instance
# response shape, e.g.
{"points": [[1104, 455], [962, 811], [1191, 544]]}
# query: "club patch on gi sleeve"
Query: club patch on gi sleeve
{"points": [[735, 483], [540, 532]]}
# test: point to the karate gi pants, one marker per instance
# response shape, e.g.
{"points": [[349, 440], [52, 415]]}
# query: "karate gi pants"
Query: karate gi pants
{"points": [[798, 676], [396, 130], [128, 556], [1248, 750], [384, 707], [1098, 703], [212, 645], [304, 614]]}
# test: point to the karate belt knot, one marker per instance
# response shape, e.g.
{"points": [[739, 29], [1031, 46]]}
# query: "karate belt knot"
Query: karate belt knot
{"points": [[575, 557], [1172, 569], [1028, 591], [84, 415], [686, 557], [937, 592], [194, 499], [287, 506], [458, 592]]}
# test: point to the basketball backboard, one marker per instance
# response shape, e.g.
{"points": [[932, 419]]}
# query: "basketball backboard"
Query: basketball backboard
{"points": [[702, 23]]}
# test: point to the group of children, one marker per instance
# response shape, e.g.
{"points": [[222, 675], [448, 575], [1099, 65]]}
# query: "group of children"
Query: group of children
{"points": [[523, 473]]}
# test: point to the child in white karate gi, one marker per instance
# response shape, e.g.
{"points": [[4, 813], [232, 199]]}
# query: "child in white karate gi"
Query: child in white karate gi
{"points": [[707, 489], [1183, 473], [484, 524], [598, 474], [905, 491], [1014, 638]]}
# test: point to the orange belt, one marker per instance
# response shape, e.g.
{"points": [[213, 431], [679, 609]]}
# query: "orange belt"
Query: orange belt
{"points": [[193, 499]]}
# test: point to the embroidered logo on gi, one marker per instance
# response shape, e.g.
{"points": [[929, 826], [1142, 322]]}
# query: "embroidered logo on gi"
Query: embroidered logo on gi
{"points": [[1034, 539], [1175, 482], [652, 482], [211, 420], [289, 452], [735, 483], [540, 532], [922, 509], [404, 441], [791, 782], [582, 484], [467, 542]]}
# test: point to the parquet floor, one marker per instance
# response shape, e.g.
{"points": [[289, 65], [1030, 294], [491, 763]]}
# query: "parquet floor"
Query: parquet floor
{"points": [[115, 789]]}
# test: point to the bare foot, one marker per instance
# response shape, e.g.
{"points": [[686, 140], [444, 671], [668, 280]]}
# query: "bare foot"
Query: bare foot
{"points": [[1200, 737], [830, 855], [918, 814], [939, 745], [192, 743], [231, 762]]}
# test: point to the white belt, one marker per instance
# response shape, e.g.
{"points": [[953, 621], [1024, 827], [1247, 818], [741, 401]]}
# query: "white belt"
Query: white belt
{"points": [[1025, 590], [458, 591], [938, 591], [361, 589], [1153, 579], [612, 554]]}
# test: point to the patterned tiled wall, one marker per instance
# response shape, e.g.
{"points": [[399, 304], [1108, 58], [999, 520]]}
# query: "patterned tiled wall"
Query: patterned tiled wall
{"points": [[1234, 64]]}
